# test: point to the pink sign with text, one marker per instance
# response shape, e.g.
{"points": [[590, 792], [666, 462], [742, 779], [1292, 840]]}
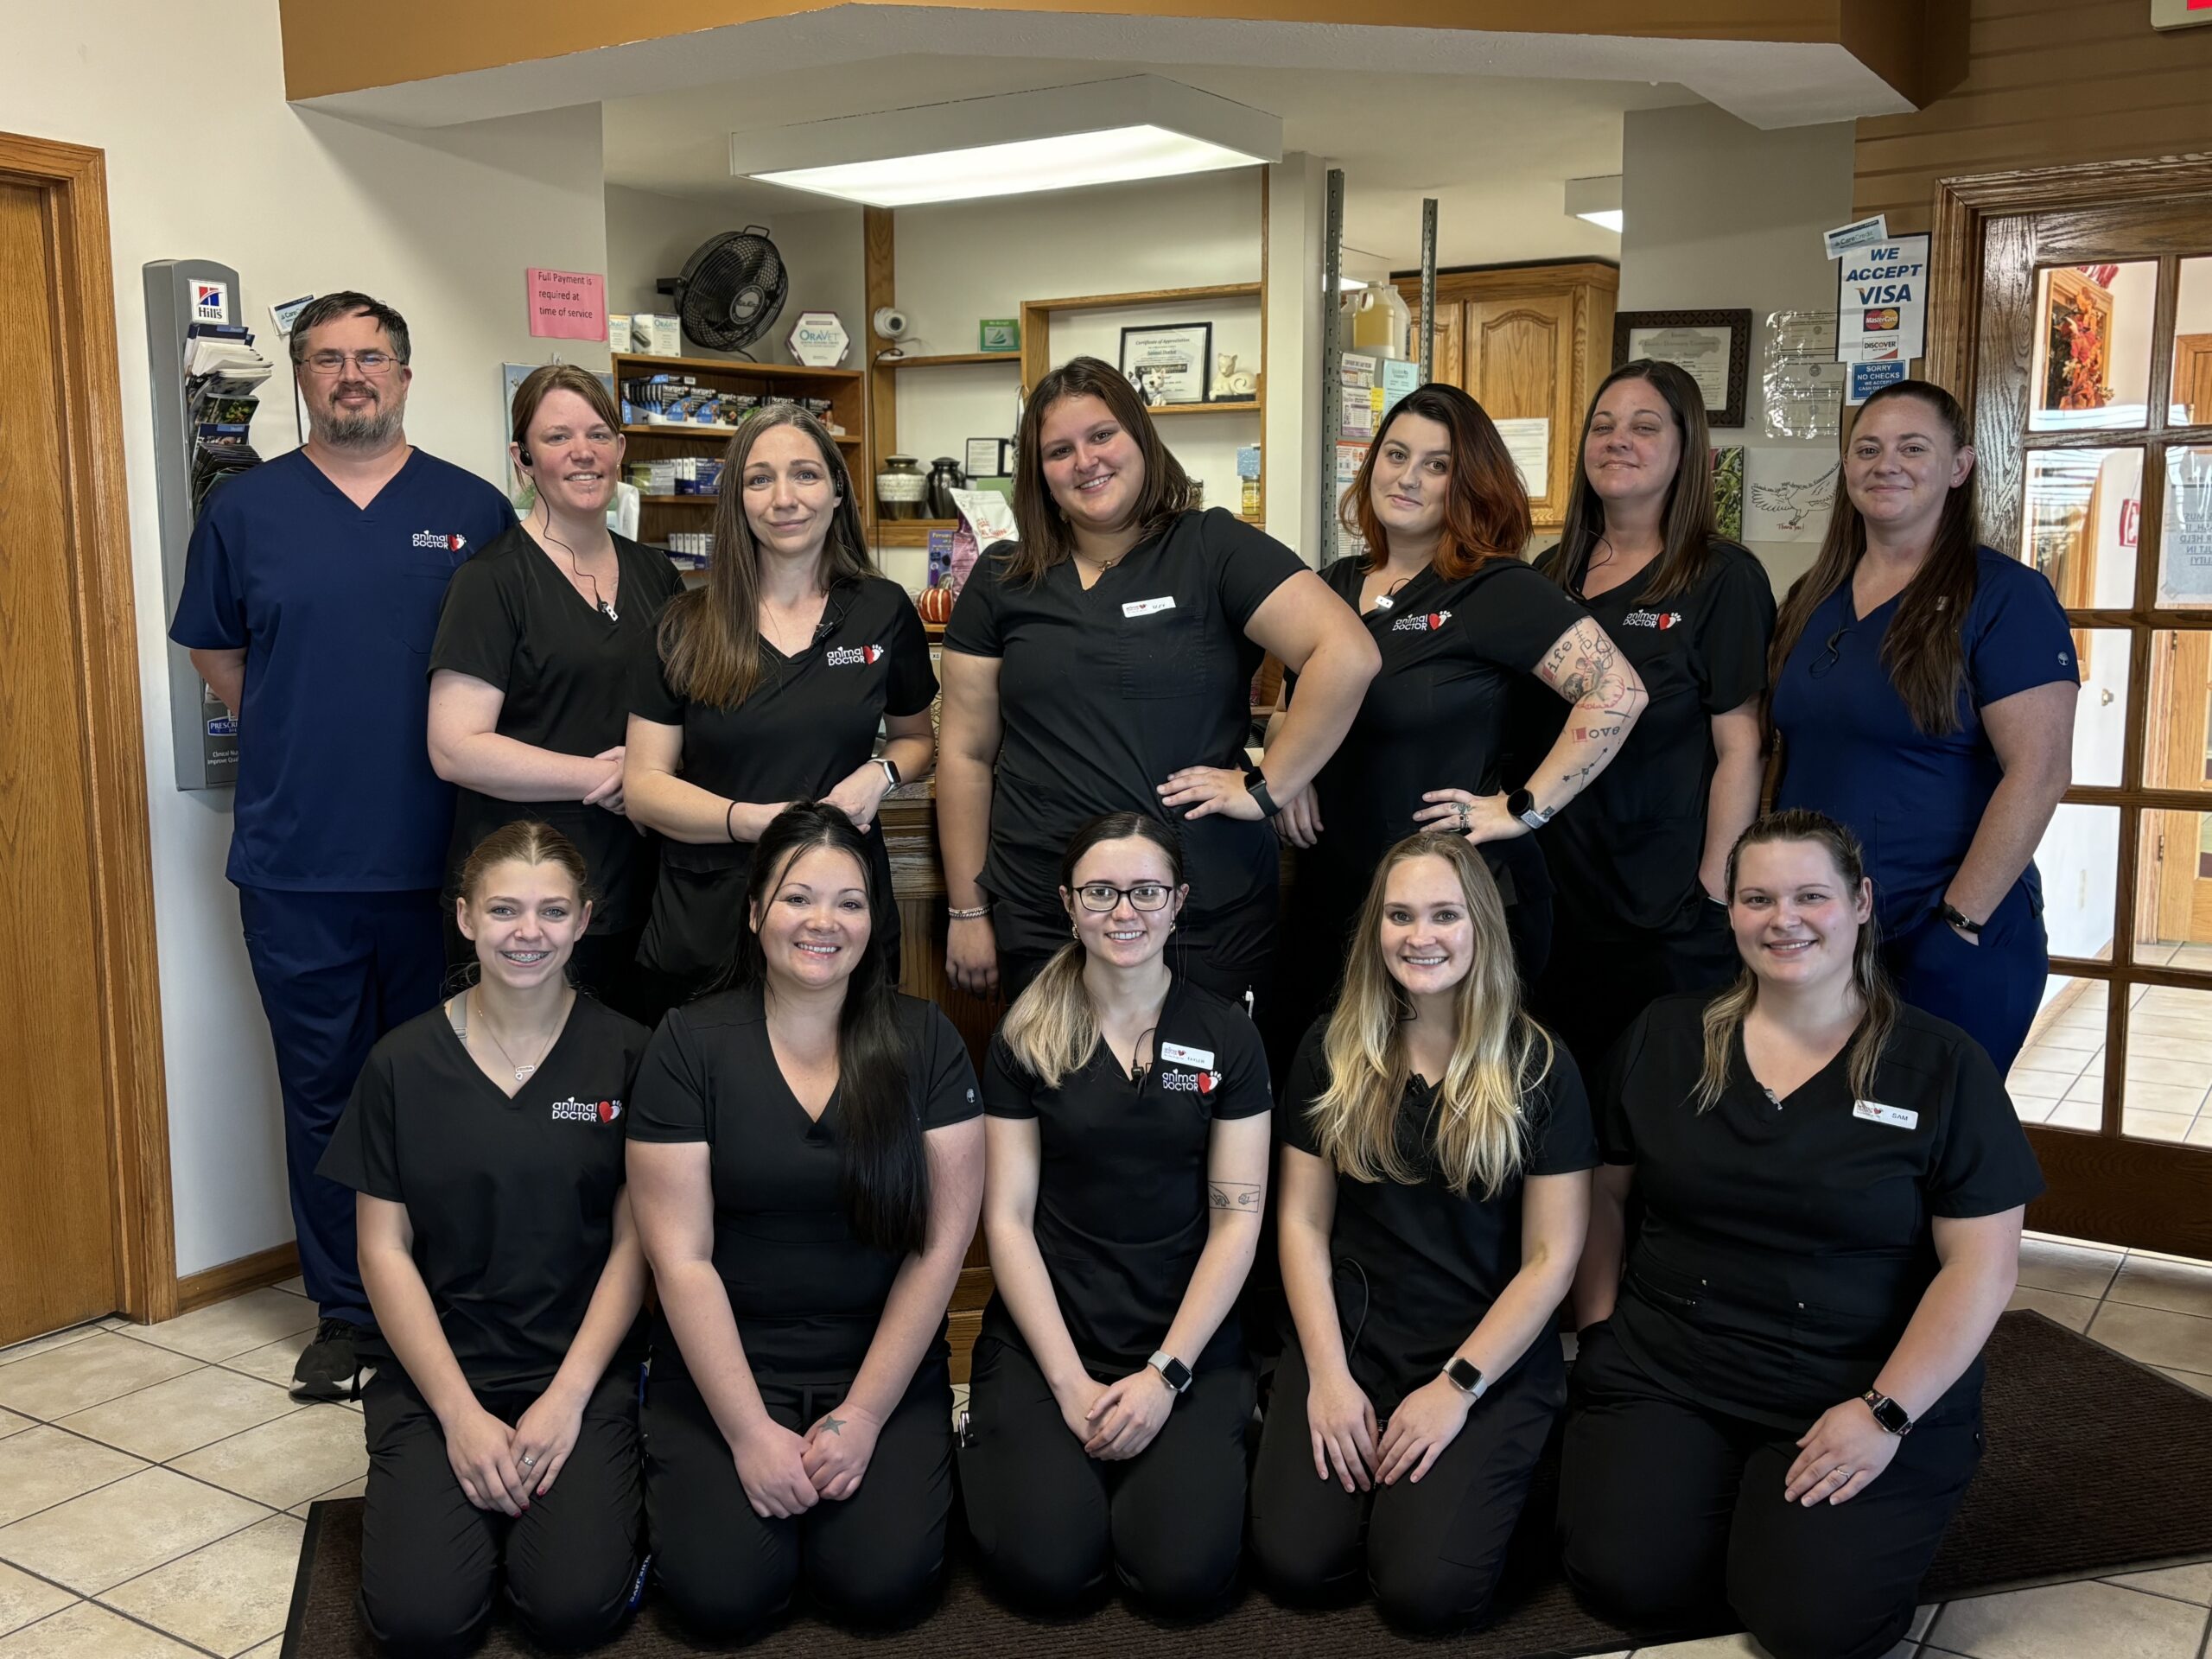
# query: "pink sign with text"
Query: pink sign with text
{"points": [[566, 304]]}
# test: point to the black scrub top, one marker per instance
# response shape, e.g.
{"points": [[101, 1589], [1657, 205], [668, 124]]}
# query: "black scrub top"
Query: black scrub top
{"points": [[1103, 692], [807, 1295], [809, 722], [1784, 1248], [1418, 1267], [1625, 852], [1122, 1211], [511, 1199], [514, 621], [1436, 715]]}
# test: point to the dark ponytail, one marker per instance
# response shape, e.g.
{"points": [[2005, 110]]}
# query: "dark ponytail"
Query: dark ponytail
{"points": [[884, 1179]]}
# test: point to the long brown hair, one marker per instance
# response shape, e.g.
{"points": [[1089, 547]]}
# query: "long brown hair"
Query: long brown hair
{"points": [[1922, 650], [544, 381], [1485, 508], [1478, 1127], [711, 636], [1685, 525], [1724, 1016], [1046, 539]]}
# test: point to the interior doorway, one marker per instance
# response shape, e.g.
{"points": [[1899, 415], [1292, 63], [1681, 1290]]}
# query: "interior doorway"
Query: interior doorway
{"points": [[85, 1209]]}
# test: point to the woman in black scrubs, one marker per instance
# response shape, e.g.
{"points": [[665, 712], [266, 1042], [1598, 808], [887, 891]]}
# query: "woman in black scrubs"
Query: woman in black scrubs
{"points": [[1924, 694], [1779, 1406], [485, 1140], [1637, 863], [1103, 664], [543, 635], [773, 680], [808, 1166], [1435, 1188], [1459, 622], [1127, 1129]]}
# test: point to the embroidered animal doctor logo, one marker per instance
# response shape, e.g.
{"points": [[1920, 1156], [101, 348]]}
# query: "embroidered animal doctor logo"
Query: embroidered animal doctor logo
{"points": [[1427, 622], [853, 656], [440, 538], [1189, 1083], [1662, 620], [573, 1110], [1895, 1116]]}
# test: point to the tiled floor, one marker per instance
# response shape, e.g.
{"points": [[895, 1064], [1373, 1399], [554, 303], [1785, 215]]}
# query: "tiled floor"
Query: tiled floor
{"points": [[152, 1482], [2060, 1076]]}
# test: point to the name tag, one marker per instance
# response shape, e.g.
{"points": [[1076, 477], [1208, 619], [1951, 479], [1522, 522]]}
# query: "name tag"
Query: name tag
{"points": [[1147, 607], [1895, 1116], [1201, 1057]]}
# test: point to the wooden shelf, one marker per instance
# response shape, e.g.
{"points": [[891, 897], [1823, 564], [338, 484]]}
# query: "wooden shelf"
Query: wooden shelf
{"points": [[677, 501], [625, 360], [910, 532], [1149, 296], [948, 359], [1246, 406]]}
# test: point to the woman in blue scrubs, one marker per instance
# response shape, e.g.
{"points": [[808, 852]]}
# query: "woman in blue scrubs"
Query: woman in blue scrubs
{"points": [[1924, 690]]}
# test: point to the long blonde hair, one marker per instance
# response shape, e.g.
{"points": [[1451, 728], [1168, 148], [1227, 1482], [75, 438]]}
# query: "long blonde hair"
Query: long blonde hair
{"points": [[1478, 1127], [1052, 1027], [1724, 1016]]}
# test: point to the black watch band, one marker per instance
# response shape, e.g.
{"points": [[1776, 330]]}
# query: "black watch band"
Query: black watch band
{"points": [[1255, 785], [1957, 917], [1891, 1417], [1522, 805]]}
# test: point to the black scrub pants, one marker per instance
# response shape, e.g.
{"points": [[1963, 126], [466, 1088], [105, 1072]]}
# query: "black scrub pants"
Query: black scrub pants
{"points": [[1669, 1513], [876, 1558], [1432, 1552], [336, 971], [1050, 1521], [1601, 975], [431, 1561]]}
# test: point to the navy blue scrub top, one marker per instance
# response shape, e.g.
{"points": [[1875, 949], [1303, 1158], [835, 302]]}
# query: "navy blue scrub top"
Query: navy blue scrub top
{"points": [[335, 607], [1851, 750]]}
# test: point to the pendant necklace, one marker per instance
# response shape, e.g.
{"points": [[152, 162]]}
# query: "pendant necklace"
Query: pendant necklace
{"points": [[522, 1072]]}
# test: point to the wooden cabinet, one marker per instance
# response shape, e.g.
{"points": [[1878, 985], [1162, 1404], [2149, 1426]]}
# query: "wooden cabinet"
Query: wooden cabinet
{"points": [[1528, 343]]}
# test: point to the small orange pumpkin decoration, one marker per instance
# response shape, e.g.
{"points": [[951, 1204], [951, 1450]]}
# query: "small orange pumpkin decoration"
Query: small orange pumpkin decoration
{"points": [[935, 604]]}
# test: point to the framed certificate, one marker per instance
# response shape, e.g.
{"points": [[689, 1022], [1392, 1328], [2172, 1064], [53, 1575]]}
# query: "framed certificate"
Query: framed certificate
{"points": [[1169, 363], [1713, 346]]}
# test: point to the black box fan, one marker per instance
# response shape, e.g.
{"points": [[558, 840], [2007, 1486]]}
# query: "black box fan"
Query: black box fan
{"points": [[731, 290]]}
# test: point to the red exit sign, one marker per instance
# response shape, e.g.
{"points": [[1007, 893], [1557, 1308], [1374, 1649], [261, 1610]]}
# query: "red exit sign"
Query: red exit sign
{"points": [[2180, 14]]}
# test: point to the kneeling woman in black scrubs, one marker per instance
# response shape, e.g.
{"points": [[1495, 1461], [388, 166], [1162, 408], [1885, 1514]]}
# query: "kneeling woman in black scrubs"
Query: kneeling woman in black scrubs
{"points": [[773, 680], [1779, 1406], [1128, 1163], [1435, 1188], [807, 1168], [484, 1139]]}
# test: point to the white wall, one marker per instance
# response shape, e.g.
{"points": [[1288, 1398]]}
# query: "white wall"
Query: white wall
{"points": [[649, 235], [1718, 215], [205, 159]]}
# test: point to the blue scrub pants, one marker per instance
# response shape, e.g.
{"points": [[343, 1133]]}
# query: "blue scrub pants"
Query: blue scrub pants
{"points": [[1990, 990], [336, 970]]}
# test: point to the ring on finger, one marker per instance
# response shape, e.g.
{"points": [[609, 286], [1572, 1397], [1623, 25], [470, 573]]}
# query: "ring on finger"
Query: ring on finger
{"points": [[528, 1458]]}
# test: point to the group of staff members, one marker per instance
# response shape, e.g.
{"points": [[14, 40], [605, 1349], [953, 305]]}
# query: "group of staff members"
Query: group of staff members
{"points": [[804, 1159]]}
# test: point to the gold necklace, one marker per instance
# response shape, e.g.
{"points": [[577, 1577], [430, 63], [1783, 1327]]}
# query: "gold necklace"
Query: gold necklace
{"points": [[522, 1072]]}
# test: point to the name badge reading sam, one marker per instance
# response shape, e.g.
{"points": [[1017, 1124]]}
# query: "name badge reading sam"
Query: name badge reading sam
{"points": [[1895, 1116], [1179, 1055], [1147, 607]]}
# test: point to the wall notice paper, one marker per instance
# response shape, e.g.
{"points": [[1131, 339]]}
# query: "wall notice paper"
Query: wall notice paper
{"points": [[1864, 234], [1800, 378], [566, 304], [2185, 566], [1881, 301], [1398, 378], [1702, 351], [1867, 378], [1787, 494], [1350, 456], [1529, 443]]}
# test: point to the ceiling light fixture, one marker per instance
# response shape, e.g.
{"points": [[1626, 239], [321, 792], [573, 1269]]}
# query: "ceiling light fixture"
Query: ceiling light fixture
{"points": [[1597, 201], [1100, 132]]}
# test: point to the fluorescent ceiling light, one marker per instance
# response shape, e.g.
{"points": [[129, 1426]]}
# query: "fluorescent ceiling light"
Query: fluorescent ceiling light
{"points": [[1597, 201], [1101, 133]]}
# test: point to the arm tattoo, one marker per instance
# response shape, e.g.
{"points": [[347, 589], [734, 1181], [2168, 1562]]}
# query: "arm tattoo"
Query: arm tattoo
{"points": [[1234, 1195]]}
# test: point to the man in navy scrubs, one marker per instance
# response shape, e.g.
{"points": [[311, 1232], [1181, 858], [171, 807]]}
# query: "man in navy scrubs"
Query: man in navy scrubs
{"points": [[311, 596]]}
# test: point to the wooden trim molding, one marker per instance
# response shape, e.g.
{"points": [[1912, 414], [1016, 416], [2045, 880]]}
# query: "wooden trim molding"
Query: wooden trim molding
{"points": [[218, 1284], [74, 181]]}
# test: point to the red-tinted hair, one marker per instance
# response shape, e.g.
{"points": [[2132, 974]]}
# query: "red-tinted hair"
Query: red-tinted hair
{"points": [[1486, 509]]}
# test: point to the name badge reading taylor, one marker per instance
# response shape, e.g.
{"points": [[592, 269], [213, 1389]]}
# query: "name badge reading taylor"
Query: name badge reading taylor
{"points": [[1147, 607], [1895, 1116], [1176, 1054]]}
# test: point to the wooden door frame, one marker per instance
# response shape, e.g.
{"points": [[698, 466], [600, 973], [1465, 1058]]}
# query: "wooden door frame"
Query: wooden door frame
{"points": [[73, 179], [2153, 1194]]}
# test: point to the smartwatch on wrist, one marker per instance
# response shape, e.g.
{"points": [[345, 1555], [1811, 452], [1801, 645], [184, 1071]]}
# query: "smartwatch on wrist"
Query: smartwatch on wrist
{"points": [[1891, 1416], [1522, 805], [1173, 1371], [1255, 785], [1957, 917], [1464, 1377], [892, 780]]}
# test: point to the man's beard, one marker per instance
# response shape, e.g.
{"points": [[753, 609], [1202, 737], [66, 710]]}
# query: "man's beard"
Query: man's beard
{"points": [[376, 430]]}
